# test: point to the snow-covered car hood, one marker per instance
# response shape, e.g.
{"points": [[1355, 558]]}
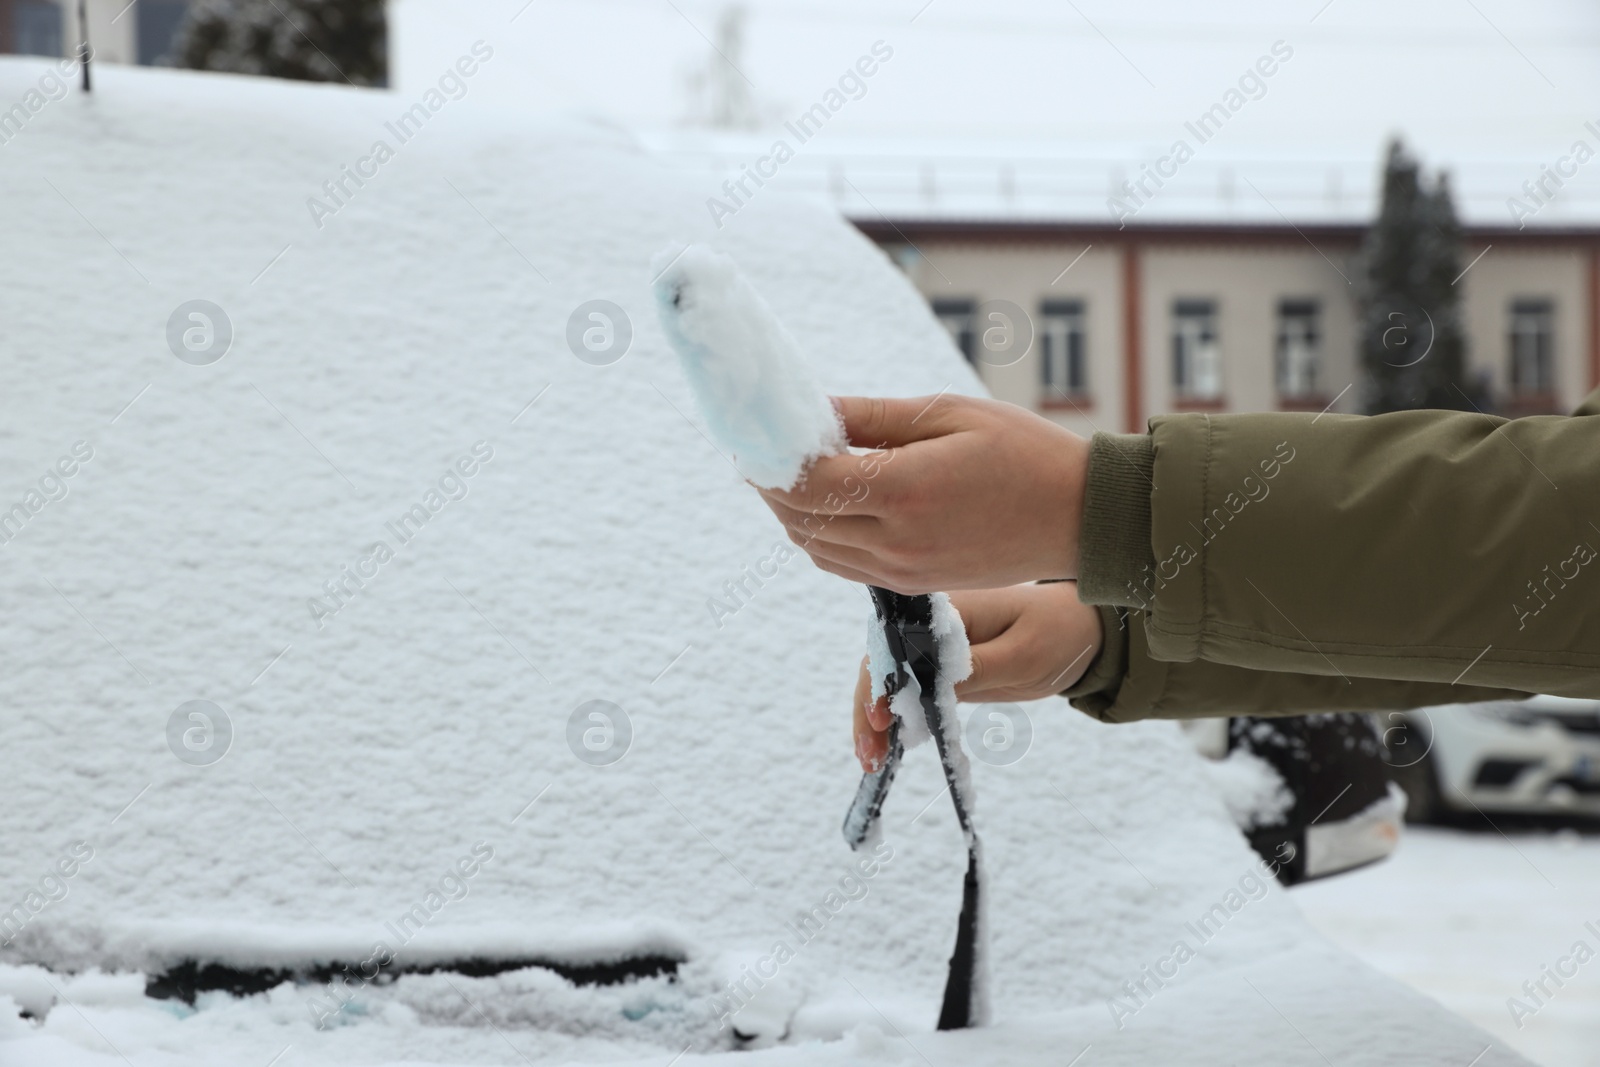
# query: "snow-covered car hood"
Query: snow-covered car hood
{"points": [[555, 531]]}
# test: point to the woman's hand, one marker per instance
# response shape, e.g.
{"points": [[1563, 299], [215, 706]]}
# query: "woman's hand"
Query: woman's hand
{"points": [[965, 494], [1028, 641]]}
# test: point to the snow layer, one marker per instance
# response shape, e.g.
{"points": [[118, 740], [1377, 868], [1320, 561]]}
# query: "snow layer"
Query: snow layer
{"points": [[1302, 1008], [400, 359], [955, 664], [753, 385], [1473, 918], [1252, 789]]}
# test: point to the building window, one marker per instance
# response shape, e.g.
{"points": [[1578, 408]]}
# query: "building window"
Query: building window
{"points": [[159, 21], [1196, 358], [1064, 357], [1532, 348], [35, 27], [956, 316], [1299, 349]]}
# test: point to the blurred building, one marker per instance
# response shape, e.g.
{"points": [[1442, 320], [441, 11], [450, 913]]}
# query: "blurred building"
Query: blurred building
{"points": [[120, 31], [1119, 212], [1217, 316], [1098, 302]]}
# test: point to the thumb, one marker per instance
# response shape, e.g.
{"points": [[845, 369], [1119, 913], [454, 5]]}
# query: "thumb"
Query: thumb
{"points": [[889, 422], [983, 671], [997, 664]]}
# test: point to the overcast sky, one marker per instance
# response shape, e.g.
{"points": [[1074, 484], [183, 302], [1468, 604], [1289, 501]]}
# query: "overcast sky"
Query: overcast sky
{"points": [[1490, 88], [1444, 70]]}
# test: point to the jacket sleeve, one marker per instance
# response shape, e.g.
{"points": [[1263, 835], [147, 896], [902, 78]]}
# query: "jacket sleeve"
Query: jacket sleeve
{"points": [[1125, 684], [1446, 548]]}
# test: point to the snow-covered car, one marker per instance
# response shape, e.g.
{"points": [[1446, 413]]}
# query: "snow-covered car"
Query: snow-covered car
{"points": [[1539, 756], [1312, 793], [394, 670]]}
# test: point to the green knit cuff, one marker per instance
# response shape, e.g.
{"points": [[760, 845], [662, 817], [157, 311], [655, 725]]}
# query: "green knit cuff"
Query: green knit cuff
{"points": [[1104, 676], [1114, 543]]}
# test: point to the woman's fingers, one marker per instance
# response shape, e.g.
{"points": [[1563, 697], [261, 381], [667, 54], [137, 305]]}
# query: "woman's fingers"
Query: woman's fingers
{"points": [[1028, 642], [856, 564], [879, 715], [806, 527], [871, 723], [996, 664], [879, 422], [971, 493], [986, 613], [859, 729], [831, 482], [842, 570]]}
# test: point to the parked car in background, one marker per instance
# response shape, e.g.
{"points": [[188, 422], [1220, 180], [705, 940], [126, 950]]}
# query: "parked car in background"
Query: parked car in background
{"points": [[1312, 793], [1536, 757]]}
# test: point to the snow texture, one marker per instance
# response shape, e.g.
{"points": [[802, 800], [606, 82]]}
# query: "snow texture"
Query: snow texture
{"points": [[1434, 915], [761, 403], [1252, 789], [753, 385], [955, 653], [955, 664], [430, 708]]}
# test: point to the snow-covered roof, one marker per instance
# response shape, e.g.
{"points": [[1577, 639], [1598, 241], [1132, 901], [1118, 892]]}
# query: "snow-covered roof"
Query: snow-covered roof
{"points": [[1025, 109], [404, 365], [906, 181]]}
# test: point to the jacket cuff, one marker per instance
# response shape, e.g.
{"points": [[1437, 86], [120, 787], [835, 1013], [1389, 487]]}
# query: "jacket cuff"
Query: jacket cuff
{"points": [[1105, 673], [1114, 550]]}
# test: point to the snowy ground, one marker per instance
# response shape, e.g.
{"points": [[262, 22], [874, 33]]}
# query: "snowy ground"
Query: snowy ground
{"points": [[1468, 917]]}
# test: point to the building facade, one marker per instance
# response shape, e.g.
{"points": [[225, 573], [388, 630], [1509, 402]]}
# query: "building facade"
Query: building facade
{"points": [[119, 31], [1100, 328]]}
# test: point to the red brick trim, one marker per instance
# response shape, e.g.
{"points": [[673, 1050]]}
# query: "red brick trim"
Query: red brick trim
{"points": [[1518, 406], [1594, 317], [1340, 235], [1132, 345]]}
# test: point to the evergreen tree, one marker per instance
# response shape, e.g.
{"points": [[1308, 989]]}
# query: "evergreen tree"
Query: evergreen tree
{"points": [[1413, 351], [308, 40]]}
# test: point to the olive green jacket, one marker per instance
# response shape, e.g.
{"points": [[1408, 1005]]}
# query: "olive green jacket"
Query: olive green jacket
{"points": [[1285, 563]]}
